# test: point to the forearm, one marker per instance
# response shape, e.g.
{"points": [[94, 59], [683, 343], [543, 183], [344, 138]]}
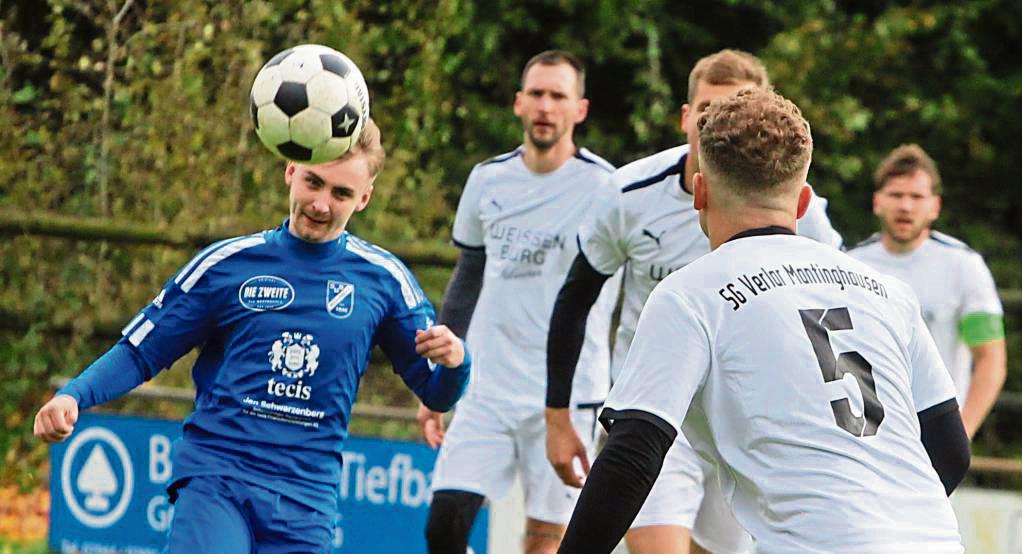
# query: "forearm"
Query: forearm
{"points": [[446, 385], [989, 371], [617, 486], [463, 290], [568, 329], [116, 372], [943, 436]]}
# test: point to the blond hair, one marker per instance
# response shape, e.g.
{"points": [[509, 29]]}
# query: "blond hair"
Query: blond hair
{"points": [[727, 67], [370, 146], [905, 160], [754, 141]]}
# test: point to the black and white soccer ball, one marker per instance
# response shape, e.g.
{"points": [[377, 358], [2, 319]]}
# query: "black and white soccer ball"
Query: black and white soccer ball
{"points": [[309, 104]]}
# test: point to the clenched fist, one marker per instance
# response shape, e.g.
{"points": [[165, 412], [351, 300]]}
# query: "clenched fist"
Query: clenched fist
{"points": [[56, 419]]}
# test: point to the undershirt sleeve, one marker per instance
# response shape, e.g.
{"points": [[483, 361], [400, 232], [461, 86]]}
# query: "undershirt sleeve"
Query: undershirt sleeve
{"points": [[946, 442], [463, 290], [567, 332], [620, 480]]}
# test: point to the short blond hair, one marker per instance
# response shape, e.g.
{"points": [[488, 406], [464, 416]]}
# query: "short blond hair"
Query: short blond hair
{"points": [[727, 67], [905, 160], [370, 145], [754, 141]]}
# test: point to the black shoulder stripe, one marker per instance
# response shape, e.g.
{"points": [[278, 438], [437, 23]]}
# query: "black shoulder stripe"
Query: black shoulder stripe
{"points": [[602, 165], [875, 237], [502, 157], [673, 170], [949, 241]]}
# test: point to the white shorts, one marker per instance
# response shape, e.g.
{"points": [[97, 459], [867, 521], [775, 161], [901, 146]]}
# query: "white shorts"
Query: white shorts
{"points": [[687, 494], [485, 447]]}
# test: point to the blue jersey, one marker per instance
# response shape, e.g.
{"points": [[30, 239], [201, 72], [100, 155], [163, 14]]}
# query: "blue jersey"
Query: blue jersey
{"points": [[285, 328]]}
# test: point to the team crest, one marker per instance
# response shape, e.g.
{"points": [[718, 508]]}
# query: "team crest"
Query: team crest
{"points": [[340, 298], [294, 355]]}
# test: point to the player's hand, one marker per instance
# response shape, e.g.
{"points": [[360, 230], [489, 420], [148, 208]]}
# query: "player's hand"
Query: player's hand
{"points": [[440, 345], [431, 424], [56, 419], [563, 446]]}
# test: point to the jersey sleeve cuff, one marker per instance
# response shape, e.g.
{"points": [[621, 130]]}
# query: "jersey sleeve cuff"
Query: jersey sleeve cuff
{"points": [[609, 415], [465, 246], [938, 409], [582, 252]]}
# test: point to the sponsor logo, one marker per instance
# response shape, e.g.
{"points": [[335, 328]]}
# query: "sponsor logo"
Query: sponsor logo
{"points": [[266, 292], [158, 301], [294, 355], [340, 298]]}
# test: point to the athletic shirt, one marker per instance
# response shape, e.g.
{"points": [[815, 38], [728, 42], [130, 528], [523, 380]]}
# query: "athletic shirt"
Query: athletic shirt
{"points": [[286, 328], [648, 222], [952, 282], [527, 223], [802, 370]]}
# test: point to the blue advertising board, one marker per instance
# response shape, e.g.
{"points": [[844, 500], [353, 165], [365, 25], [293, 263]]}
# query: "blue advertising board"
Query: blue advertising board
{"points": [[108, 490]]}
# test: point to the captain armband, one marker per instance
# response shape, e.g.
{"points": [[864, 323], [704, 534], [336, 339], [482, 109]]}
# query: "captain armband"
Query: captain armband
{"points": [[980, 328]]}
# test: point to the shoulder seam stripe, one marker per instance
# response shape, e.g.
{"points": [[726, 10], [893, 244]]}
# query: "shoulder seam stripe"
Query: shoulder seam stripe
{"points": [[602, 164], [380, 258], [875, 237], [673, 170], [502, 157], [202, 255], [220, 255], [948, 240]]}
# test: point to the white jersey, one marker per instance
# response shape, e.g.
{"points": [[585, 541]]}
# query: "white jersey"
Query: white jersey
{"points": [[952, 282], [527, 224], [649, 223], [802, 370]]}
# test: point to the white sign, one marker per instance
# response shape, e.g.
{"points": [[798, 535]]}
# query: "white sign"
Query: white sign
{"points": [[97, 479]]}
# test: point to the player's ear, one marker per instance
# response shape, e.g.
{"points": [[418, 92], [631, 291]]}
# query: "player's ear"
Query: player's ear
{"points": [[805, 196], [364, 200], [876, 203], [699, 191], [583, 110], [518, 104], [937, 204], [289, 171], [683, 120]]}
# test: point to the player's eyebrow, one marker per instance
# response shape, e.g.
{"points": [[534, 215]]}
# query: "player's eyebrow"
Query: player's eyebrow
{"points": [[312, 176]]}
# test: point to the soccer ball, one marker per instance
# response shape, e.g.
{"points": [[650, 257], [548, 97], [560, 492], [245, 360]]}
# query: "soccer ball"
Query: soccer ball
{"points": [[309, 104]]}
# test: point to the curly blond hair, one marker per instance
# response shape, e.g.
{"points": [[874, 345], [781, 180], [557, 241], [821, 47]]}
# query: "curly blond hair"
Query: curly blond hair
{"points": [[754, 141]]}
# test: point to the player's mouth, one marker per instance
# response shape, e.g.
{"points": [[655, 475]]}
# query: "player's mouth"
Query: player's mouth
{"points": [[314, 220]]}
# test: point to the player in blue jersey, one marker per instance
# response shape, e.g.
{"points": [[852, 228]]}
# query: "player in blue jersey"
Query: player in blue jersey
{"points": [[286, 319]]}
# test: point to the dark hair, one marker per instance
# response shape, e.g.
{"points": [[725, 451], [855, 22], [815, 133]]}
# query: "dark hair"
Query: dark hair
{"points": [[905, 160], [556, 57]]}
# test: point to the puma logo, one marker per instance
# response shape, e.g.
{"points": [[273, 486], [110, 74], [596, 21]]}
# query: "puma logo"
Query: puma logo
{"points": [[656, 238]]}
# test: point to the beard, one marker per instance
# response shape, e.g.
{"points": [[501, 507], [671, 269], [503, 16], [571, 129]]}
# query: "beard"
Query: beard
{"points": [[544, 142]]}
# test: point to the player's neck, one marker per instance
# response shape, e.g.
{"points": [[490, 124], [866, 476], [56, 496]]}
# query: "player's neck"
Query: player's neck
{"points": [[721, 227], [903, 247], [548, 160], [690, 170]]}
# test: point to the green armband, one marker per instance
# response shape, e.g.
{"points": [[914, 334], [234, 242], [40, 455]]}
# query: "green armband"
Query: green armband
{"points": [[980, 328]]}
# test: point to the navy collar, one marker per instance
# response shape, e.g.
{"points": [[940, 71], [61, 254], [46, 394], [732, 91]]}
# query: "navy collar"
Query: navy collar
{"points": [[762, 231]]}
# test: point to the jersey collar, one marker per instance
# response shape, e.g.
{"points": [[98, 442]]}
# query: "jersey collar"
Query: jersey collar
{"points": [[313, 249], [762, 231]]}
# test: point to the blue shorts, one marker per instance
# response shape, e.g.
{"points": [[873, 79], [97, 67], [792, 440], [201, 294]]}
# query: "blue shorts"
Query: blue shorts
{"points": [[220, 514]]}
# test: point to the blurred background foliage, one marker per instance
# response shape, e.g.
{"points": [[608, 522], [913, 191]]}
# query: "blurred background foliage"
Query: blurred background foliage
{"points": [[135, 110]]}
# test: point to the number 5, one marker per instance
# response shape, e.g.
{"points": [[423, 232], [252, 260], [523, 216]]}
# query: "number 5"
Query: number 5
{"points": [[818, 324]]}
